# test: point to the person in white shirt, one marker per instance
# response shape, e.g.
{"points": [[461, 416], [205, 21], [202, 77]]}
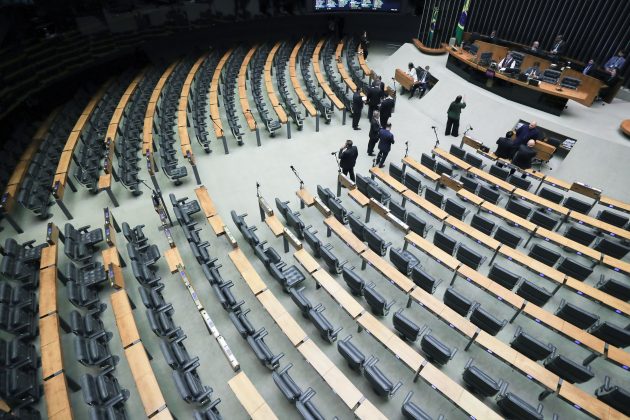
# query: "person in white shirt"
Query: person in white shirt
{"points": [[507, 63], [412, 72]]}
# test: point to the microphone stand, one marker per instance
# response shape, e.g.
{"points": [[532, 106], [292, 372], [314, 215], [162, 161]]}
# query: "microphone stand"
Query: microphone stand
{"points": [[225, 148], [295, 172], [257, 189], [255, 126], [467, 130], [437, 140], [406, 148], [337, 160]]}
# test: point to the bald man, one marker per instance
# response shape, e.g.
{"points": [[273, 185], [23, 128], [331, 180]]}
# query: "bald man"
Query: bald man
{"points": [[526, 133], [524, 156]]}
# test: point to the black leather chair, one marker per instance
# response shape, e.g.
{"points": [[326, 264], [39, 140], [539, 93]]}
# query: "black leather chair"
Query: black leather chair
{"points": [[379, 194], [261, 350], [325, 194], [507, 238], [300, 300], [455, 210], [82, 235], [351, 353], [355, 283], [161, 321], [288, 276], [441, 168], [479, 382], [16, 354], [616, 397], [444, 242], [580, 235], [89, 325], [499, 172], [458, 152], [238, 316], [412, 411], [518, 208], [190, 387], [152, 297], [519, 182], [574, 269], [530, 346], [531, 292], [375, 242], [18, 297], [332, 262], [469, 257], [568, 370], [544, 255], [313, 241], [612, 334], [574, 204], [323, 325], [413, 183], [486, 321], [614, 287], [551, 195], [489, 194], [469, 184], [404, 261], [175, 353], [612, 248], [306, 407], [424, 280], [282, 207], [286, 384], [398, 210], [436, 351], [474, 161], [378, 304], [434, 197], [93, 352], [482, 224], [17, 386], [208, 412], [503, 276], [90, 275], [543, 220], [576, 315], [458, 302], [428, 161], [551, 76], [357, 226], [613, 218], [407, 329], [396, 172], [417, 225], [382, 385], [514, 407], [340, 213], [82, 296], [146, 276], [103, 390]]}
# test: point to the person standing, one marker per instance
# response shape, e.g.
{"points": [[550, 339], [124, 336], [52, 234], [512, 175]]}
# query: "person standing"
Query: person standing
{"points": [[615, 62], [357, 107], [364, 44], [589, 66], [348, 158], [375, 128], [558, 45], [386, 109], [453, 113], [373, 99], [386, 139]]}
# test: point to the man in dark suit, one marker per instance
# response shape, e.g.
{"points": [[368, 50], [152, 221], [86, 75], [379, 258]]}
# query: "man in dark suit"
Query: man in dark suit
{"points": [[357, 107], [375, 128], [525, 133], [589, 66], [524, 156], [386, 139], [373, 99], [348, 158], [386, 108], [558, 46], [504, 148]]}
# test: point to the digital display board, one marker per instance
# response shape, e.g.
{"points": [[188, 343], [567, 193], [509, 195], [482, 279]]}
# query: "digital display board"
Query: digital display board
{"points": [[357, 5]]}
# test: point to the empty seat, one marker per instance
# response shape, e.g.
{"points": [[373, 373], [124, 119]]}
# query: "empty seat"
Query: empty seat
{"points": [[614, 287], [413, 183], [306, 407], [427, 161], [519, 182], [479, 382], [499, 172], [441, 168], [516, 408], [286, 384], [580, 206], [551, 195], [616, 397], [436, 351], [530, 346], [482, 224], [404, 261], [455, 209], [93, 352], [444, 242], [313, 241], [375, 242], [469, 184], [568, 370], [332, 262], [544, 255], [340, 213], [486, 321], [412, 411], [396, 172], [543, 220], [574, 269], [300, 300], [538, 295], [378, 193], [190, 387], [612, 218], [424, 280], [323, 325], [457, 302], [580, 235], [507, 238], [382, 385], [378, 304], [576, 315], [351, 353], [612, 248], [489, 194], [355, 283], [406, 328], [398, 210], [518, 208], [261, 350], [417, 225], [434, 197], [103, 389], [612, 334], [503, 276], [469, 257], [458, 152], [474, 160]]}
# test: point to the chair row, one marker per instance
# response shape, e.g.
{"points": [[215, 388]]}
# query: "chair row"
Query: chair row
{"points": [[306, 55], [200, 99], [282, 60], [230, 78], [337, 86], [256, 70]]}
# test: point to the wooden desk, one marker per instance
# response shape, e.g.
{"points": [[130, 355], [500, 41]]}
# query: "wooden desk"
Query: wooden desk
{"points": [[536, 199], [403, 79], [110, 256], [50, 346], [306, 260], [432, 251], [388, 179], [148, 388], [205, 202], [345, 389], [504, 185], [338, 293], [468, 196], [305, 197], [358, 197], [124, 319], [57, 398], [249, 397], [586, 402], [345, 235], [423, 170], [368, 411], [584, 219], [425, 205], [614, 204], [387, 270], [247, 271], [282, 318], [453, 160], [173, 259], [47, 291], [532, 264], [507, 215], [275, 225], [471, 232]]}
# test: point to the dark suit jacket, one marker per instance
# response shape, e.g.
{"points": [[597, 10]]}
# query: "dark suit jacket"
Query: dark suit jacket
{"points": [[375, 127], [387, 106], [357, 102], [523, 157], [386, 140], [348, 157], [561, 47], [504, 148], [373, 96]]}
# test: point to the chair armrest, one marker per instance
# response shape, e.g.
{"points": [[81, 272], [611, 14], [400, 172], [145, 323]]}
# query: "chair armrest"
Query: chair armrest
{"points": [[84, 228], [29, 244], [336, 331], [395, 388], [427, 230], [390, 304], [277, 358]]}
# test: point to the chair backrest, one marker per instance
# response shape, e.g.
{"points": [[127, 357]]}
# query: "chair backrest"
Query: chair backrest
{"points": [[486, 321], [377, 193], [612, 334], [530, 346], [444, 242], [576, 315], [498, 172], [551, 195], [522, 183], [469, 257], [488, 194], [443, 169], [301, 301], [398, 210], [474, 160], [615, 396], [544, 255], [503, 276], [482, 224], [362, 184], [324, 194], [413, 182], [435, 350], [351, 353], [614, 287], [538, 295], [507, 238], [427, 161], [313, 241], [580, 206], [416, 224], [340, 213], [434, 197], [543, 220], [611, 248], [458, 152], [396, 172], [424, 280], [407, 329], [357, 226], [515, 407], [570, 82], [375, 242], [518, 208], [574, 269], [457, 302], [479, 381], [282, 207], [613, 218], [580, 235], [354, 281], [469, 184], [377, 302], [332, 262], [454, 209], [568, 370]]}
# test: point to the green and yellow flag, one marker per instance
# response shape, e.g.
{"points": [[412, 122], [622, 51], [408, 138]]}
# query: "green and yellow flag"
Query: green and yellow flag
{"points": [[459, 31], [432, 25]]}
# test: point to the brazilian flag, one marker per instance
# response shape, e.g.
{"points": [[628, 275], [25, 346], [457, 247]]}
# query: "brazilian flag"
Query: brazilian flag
{"points": [[432, 25], [459, 31]]}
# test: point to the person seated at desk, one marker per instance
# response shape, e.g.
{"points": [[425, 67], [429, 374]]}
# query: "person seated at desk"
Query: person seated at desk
{"points": [[615, 62], [588, 67], [411, 72], [504, 147], [558, 45], [535, 47], [493, 37], [507, 63], [525, 133], [533, 72], [423, 81], [524, 156]]}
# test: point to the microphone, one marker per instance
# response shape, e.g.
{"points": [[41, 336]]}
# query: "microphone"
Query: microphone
{"points": [[406, 143], [470, 126], [333, 153], [433, 127], [292, 168]]}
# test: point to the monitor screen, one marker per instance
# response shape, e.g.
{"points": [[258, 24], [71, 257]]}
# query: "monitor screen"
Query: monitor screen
{"points": [[357, 5]]}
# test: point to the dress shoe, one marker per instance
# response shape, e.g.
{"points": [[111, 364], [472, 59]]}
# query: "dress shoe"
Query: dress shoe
{"points": [[381, 166], [371, 154], [357, 128]]}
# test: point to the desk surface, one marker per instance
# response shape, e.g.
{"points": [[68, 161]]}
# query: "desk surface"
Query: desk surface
{"points": [[285, 321], [345, 235], [47, 291], [50, 346], [307, 261], [148, 388], [247, 271], [206, 203], [57, 398], [124, 318], [387, 270], [249, 397], [49, 256], [173, 259], [338, 293]]}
